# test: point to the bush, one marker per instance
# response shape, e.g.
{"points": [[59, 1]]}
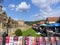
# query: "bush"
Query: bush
{"points": [[18, 32]]}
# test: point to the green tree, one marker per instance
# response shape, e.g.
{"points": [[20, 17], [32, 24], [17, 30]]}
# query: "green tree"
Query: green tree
{"points": [[18, 32]]}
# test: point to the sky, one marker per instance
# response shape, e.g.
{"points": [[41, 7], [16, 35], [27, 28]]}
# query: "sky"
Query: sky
{"points": [[31, 10]]}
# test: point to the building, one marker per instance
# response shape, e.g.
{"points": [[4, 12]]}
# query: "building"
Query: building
{"points": [[13, 23], [0, 8], [42, 21], [34, 25], [52, 19], [3, 19], [21, 23], [10, 24], [6, 21]]}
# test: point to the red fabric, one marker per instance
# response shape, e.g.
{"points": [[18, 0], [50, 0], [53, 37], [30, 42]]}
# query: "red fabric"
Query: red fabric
{"points": [[42, 40], [7, 39], [34, 40], [53, 39], [27, 41]]}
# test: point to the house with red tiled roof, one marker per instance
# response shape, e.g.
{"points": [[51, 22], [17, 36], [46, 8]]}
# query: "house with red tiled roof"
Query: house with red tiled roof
{"points": [[52, 19]]}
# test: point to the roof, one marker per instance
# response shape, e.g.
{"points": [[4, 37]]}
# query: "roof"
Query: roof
{"points": [[52, 18]]}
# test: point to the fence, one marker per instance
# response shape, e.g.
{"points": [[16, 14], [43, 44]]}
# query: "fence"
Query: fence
{"points": [[31, 40]]}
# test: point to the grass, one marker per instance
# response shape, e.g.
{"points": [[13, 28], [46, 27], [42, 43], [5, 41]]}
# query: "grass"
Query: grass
{"points": [[30, 32]]}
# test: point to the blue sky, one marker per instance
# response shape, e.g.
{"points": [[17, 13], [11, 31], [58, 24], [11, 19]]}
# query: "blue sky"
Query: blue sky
{"points": [[31, 10]]}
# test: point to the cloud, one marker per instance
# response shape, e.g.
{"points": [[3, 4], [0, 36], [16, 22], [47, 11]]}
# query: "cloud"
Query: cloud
{"points": [[15, 18], [46, 7], [4, 9], [12, 6], [38, 16], [23, 6], [44, 15]]}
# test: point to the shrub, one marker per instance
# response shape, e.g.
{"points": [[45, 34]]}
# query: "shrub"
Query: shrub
{"points": [[18, 32]]}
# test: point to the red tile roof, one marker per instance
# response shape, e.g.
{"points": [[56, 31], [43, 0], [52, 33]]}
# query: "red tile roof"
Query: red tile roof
{"points": [[52, 19]]}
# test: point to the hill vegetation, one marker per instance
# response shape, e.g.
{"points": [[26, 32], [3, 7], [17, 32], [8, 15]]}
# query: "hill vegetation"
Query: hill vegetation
{"points": [[32, 22]]}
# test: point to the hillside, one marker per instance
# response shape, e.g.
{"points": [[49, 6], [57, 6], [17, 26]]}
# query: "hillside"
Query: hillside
{"points": [[31, 22]]}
